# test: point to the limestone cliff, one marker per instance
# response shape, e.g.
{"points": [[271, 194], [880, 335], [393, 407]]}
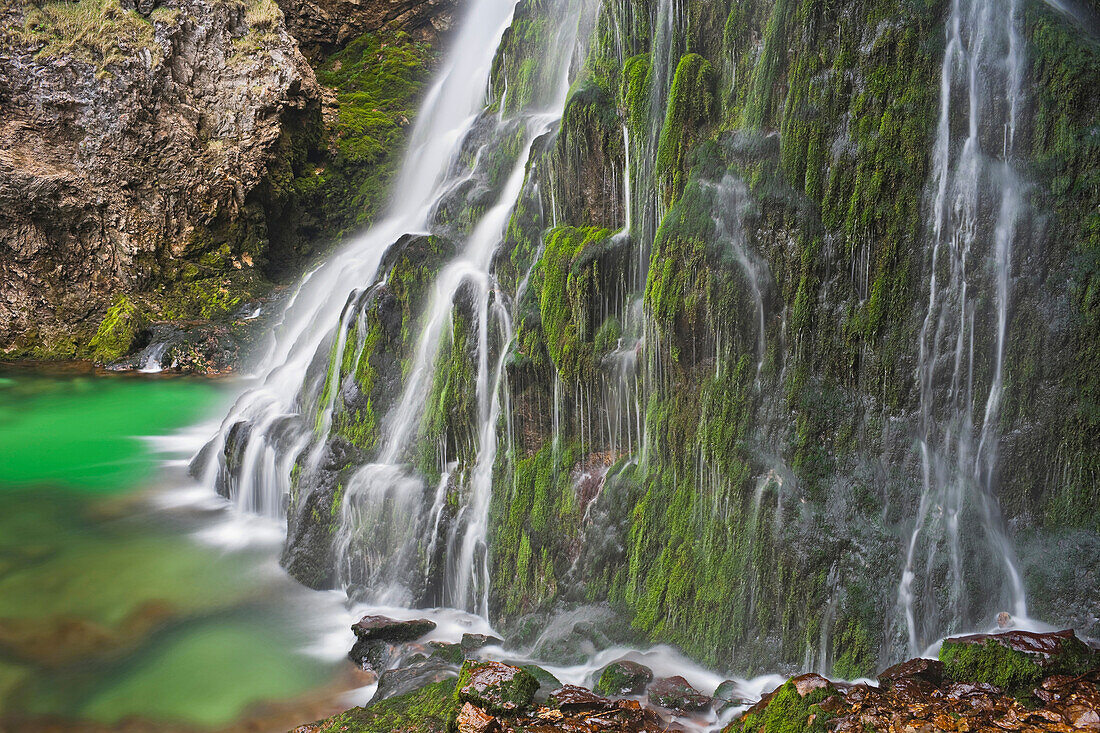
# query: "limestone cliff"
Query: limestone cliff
{"points": [[130, 141]]}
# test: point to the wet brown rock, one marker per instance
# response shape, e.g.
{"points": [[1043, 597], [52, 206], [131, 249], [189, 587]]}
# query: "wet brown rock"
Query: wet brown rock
{"points": [[807, 683], [384, 628], [929, 670], [472, 719], [571, 698], [675, 693]]}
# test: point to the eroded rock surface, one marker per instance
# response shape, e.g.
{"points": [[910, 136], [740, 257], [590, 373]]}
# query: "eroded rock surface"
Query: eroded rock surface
{"points": [[129, 151]]}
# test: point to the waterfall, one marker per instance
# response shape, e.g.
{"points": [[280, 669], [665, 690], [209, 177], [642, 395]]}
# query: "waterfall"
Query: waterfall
{"points": [[977, 207], [388, 528]]}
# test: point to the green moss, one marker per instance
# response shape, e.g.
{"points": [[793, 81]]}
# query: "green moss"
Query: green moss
{"points": [[569, 281], [117, 331], [97, 32], [691, 106], [431, 709]]}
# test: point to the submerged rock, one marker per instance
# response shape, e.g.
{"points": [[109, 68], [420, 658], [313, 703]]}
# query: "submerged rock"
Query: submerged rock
{"points": [[497, 687], [675, 693], [624, 677]]}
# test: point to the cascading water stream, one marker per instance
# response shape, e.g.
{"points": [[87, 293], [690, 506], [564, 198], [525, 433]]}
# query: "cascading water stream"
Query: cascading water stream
{"points": [[282, 425], [975, 183]]}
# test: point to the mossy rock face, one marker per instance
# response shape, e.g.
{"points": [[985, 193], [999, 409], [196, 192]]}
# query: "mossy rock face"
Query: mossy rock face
{"points": [[431, 709], [624, 678], [789, 708], [499, 688], [1015, 661]]}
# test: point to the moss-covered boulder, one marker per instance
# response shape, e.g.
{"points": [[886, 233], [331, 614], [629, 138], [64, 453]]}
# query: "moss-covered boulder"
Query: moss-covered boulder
{"points": [[499, 688], [1015, 661], [431, 709], [799, 705], [624, 678], [118, 331]]}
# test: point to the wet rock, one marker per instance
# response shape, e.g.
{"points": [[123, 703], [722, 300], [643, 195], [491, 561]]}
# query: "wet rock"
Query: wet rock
{"points": [[930, 670], [496, 687], [624, 678], [384, 628], [1015, 660], [430, 709], [473, 642], [571, 698], [403, 680], [804, 684], [452, 653], [371, 655], [547, 682], [728, 695], [675, 693], [475, 720]]}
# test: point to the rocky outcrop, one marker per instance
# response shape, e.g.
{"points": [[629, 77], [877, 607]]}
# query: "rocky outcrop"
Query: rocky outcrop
{"points": [[131, 141], [323, 25]]}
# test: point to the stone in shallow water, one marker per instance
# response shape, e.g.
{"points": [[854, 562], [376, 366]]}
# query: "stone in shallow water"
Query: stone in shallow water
{"points": [[496, 687], [624, 678], [473, 642], [675, 693], [728, 695], [571, 698], [383, 628]]}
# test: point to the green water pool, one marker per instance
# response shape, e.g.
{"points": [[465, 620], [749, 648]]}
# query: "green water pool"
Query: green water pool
{"points": [[110, 608]]}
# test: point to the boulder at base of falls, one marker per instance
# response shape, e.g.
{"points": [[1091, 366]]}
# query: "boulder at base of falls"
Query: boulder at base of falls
{"points": [[624, 678], [1015, 660], [473, 642], [675, 693], [384, 628], [573, 699], [957, 694], [929, 670], [376, 635], [496, 687], [728, 695]]}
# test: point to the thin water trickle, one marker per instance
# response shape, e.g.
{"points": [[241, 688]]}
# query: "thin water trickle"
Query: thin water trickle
{"points": [[981, 85]]}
